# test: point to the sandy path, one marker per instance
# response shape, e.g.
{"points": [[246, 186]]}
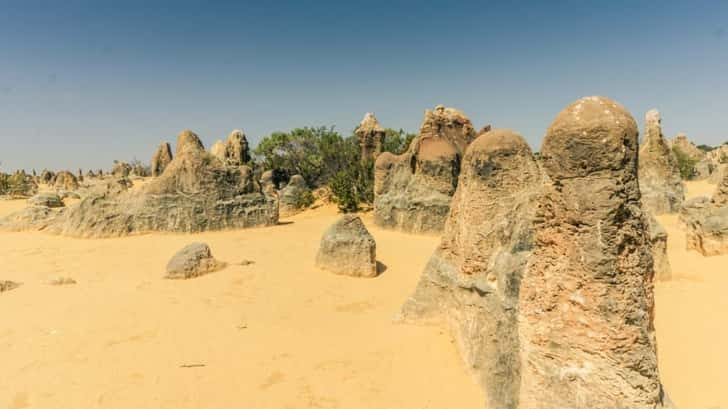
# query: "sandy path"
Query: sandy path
{"points": [[692, 321], [279, 333], [274, 334]]}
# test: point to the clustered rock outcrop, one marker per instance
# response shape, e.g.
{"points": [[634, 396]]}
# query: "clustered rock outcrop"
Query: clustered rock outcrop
{"points": [[121, 169], [412, 191], [547, 280], [47, 199], [46, 176], [18, 185], [161, 159], [371, 137], [65, 180], [348, 248], [472, 280], [706, 221], [659, 175], [234, 151], [195, 193]]}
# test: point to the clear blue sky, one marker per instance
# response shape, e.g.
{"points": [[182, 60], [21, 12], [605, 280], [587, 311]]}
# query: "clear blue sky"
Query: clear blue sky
{"points": [[86, 82]]}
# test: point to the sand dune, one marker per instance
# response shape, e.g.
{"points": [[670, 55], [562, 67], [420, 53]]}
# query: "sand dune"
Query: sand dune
{"points": [[279, 333]]}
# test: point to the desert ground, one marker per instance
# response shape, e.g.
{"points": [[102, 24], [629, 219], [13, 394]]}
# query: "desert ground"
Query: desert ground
{"points": [[279, 333]]}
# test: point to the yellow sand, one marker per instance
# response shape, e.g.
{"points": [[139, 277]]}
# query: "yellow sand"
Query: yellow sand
{"points": [[692, 320], [279, 333]]}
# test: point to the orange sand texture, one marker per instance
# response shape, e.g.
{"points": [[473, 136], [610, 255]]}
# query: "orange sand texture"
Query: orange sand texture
{"points": [[279, 333]]}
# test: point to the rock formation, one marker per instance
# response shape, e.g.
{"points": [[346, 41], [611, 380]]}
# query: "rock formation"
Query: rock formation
{"points": [[348, 248], [46, 176], [682, 142], [8, 285], [720, 197], [236, 148], [658, 241], [472, 281], [192, 261], [546, 280], [706, 222], [412, 191], [121, 169], [195, 193], [161, 159], [659, 175], [65, 180], [295, 197], [586, 300], [371, 137], [18, 185], [218, 150], [267, 183], [46, 199]]}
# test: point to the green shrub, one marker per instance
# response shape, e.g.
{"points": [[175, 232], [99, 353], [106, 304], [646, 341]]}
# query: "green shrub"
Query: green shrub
{"points": [[317, 154], [353, 185], [396, 142], [685, 163], [303, 199]]}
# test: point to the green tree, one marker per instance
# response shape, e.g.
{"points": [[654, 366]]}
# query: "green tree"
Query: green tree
{"points": [[316, 153], [354, 185], [397, 141]]}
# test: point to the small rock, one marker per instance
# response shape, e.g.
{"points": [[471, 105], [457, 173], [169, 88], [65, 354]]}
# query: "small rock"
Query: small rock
{"points": [[46, 199], [348, 248], [62, 281], [192, 261], [8, 285]]}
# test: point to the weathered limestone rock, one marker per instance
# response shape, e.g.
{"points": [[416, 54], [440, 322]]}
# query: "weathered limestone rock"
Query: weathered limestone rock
{"points": [[65, 180], [720, 197], [658, 240], [218, 150], [18, 185], [46, 176], [348, 248], [46, 199], [371, 137], [161, 159], [412, 191], [121, 169], [586, 300], [659, 175], [682, 142], [236, 148], [192, 261], [706, 222], [295, 197], [8, 285], [718, 159], [195, 193], [472, 281], [267, 183], [718, 173]]}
